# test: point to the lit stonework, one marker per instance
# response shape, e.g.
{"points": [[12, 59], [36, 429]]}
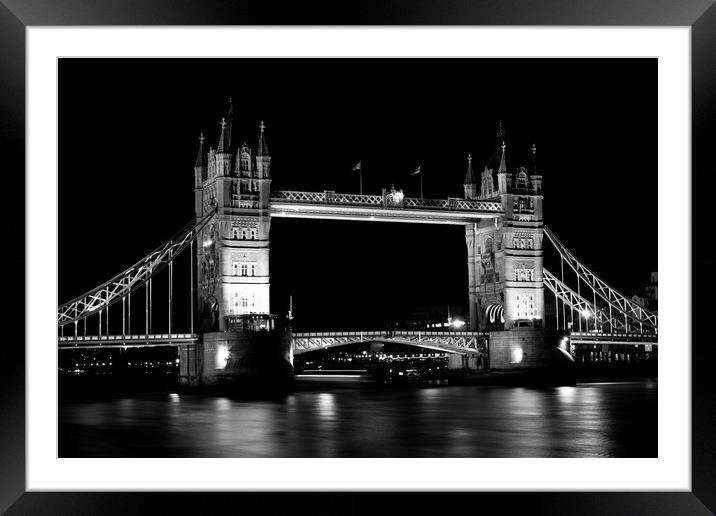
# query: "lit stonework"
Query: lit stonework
{"points": [[233, 260], [505, 254]]}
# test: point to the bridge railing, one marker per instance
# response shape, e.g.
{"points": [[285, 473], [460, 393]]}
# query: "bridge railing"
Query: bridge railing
{"points": [[386, 201], [139, 336]]}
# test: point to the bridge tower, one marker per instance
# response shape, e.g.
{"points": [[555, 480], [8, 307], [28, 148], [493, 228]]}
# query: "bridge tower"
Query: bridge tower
{"points": [[233, 251], [506, 289]]}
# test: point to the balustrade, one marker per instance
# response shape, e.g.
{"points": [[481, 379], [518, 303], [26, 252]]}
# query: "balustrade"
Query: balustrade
{"points": [[330, 197]]}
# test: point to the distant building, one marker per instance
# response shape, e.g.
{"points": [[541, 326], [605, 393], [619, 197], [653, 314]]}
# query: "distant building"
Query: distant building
{"points": [[640, 300], [652, 290], [649, 298]]}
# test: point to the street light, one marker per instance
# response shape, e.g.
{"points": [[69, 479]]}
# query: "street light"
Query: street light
{"points": [[587, 314], [457, 323]]}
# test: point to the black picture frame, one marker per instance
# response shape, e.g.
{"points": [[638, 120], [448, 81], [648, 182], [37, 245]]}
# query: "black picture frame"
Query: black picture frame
{"points": [[17, 15]]}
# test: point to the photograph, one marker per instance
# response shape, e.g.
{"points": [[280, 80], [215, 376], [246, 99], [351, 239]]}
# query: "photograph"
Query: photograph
{"points": [[357, 257]]}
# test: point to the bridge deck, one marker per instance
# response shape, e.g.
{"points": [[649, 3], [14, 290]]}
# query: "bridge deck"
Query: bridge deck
{"points": [[128, 341]]}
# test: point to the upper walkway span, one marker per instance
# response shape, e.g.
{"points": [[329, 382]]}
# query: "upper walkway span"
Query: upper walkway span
{"points": [[390, 207]]}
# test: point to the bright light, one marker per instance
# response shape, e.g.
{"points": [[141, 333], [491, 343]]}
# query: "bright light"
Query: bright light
{"points": [[517, 355], [586, 313], [457, 323], [222, 356], [207, 243]]}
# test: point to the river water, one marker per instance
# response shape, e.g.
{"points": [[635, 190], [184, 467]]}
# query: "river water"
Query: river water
{"points": [[616, 419]]}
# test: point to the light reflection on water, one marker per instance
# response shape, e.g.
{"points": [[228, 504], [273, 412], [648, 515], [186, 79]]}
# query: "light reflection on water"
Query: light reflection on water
{"points": [[589, 420]]}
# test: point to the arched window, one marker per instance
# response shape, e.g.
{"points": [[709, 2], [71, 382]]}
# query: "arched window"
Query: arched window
{"points": [[522, 180]]}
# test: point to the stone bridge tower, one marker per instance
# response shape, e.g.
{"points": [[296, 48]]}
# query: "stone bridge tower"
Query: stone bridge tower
{"points": [[233, 251], [505, 254]]}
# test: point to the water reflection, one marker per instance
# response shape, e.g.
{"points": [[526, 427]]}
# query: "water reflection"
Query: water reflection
{"points": [[592, 420], [326, 406]]}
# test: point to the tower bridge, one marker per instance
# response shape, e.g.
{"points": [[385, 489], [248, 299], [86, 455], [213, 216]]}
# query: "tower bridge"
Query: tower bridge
{"points": [[229, 278]]}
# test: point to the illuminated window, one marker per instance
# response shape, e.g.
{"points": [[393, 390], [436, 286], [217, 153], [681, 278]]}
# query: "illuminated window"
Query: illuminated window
{"points": [[243, 268], [525, 306], [253, 233], [234, 233]]}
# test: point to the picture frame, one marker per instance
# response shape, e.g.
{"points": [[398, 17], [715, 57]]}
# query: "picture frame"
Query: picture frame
{"points": [[15, 16]]}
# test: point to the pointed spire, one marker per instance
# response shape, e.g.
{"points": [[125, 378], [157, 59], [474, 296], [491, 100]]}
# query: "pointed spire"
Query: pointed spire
{"points": [[223, 144], [262, 149], [470, 175], [201, 156], [503, 164]]}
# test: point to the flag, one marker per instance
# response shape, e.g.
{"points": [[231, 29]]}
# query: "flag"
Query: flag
{"points": [[416, 171], [357, 167]]}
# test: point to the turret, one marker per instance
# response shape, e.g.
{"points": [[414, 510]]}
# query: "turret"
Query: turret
{"points": [[223, 154], [487, 186], [503, 184], [200, 175], [535, 175], [243, 161], [200, 168], [470, 184], [211, 163], [263, 158]]}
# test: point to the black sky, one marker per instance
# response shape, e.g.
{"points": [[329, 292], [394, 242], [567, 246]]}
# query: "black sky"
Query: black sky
{"points": [[128, 133]]}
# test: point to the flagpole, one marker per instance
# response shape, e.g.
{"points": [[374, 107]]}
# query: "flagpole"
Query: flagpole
{"points": [[421, 185], [360, 179]]}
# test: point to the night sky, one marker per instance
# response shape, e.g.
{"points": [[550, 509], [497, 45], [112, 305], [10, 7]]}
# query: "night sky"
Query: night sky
{"points": [[128, 132]]}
